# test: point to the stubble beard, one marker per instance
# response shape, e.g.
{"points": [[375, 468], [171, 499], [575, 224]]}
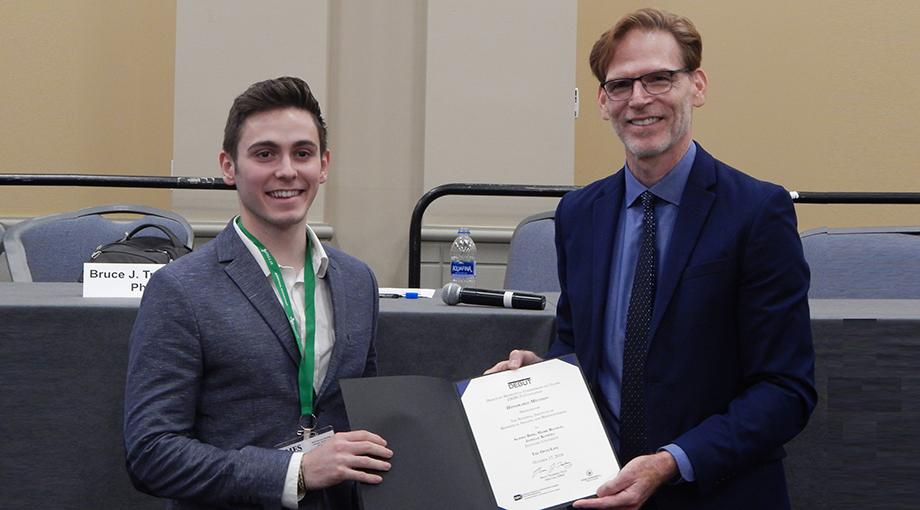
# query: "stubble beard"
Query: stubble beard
{"points": [[640, 150]]}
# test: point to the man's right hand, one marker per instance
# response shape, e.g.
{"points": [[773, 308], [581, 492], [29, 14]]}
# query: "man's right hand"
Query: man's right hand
{"points": [[516, 359], [347, 456]]}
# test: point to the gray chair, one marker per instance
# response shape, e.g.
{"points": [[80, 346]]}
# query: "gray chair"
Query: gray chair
{"points": [[532, 256], [3, 266], [863, 263], [53, 248]]}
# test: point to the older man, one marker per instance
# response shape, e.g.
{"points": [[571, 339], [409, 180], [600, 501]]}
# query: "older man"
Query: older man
{"points": [[684, 293]]}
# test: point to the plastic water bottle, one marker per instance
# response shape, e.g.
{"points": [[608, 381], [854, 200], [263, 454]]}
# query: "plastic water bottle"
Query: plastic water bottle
{"points": [[463, 259]]}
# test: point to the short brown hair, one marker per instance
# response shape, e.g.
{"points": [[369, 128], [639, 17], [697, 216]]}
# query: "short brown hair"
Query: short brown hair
{"points": [[689, 40], [284, 92]]}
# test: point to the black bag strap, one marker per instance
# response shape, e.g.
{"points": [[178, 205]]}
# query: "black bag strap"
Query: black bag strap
{"points": [[172, 237]]}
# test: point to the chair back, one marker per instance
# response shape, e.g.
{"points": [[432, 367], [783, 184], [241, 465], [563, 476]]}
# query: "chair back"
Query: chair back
{"points": [[2, 255], [53, 248], [863, 263], [532, 255]]}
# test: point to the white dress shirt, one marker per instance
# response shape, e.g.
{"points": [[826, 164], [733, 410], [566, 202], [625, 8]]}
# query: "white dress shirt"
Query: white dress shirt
{"points": [[325, 330]]}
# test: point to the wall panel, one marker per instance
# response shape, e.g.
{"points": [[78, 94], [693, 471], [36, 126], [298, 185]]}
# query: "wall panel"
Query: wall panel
{"points": [[222, 47], [87, 88], [815, 96]]}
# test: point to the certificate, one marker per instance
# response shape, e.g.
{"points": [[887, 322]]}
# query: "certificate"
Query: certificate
{"points": [[528, 439], [539, 435]]}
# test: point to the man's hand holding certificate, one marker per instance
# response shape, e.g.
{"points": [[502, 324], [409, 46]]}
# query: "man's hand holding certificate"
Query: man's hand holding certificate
{"points": [[634, 483], [527, 439], [539, 435]]}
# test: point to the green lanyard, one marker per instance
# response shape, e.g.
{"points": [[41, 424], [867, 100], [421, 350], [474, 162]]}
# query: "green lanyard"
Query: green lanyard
{"points": [[305, 345]]}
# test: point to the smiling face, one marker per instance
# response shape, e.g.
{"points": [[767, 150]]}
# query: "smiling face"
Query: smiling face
{"points": [[653, 128], [277, 171]]}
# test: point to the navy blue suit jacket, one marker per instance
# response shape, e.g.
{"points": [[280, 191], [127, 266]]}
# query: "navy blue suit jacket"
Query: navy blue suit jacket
{"points": [[212, 377], [730, 367]]}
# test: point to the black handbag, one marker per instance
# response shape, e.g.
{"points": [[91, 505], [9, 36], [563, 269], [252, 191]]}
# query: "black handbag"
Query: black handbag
{"points": [[133, 249]]}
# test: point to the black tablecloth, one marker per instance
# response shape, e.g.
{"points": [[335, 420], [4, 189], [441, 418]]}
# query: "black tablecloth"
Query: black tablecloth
{"points": [[63, 357], [62, 367]]}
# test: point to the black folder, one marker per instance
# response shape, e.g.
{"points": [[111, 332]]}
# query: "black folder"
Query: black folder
{"points": [[436, 463]]}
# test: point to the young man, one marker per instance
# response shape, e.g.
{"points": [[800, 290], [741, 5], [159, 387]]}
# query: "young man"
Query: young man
{"points": [[684, 293], [240, 345]]}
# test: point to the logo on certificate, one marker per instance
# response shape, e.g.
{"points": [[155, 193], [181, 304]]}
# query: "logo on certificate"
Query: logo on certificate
{"points": [[517, 384]]}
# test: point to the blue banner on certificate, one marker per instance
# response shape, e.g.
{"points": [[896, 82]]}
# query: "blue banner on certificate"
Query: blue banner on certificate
{"points": [[527, 439]]}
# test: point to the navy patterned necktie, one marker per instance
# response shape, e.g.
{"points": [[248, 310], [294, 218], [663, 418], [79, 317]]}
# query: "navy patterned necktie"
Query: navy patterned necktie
{"points": [[633, 436]]}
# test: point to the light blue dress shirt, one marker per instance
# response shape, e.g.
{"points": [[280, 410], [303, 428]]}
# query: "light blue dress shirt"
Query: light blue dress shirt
{"points": [[625, 254]]}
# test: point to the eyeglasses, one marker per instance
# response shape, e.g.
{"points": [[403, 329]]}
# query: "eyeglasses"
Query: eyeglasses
{"points": [[655, 83]]}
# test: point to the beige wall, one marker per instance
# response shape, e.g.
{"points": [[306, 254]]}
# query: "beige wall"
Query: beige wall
{"points": [[220, 52], [816, 96], [419, 93], [422, 92], [499, 103], [376, 129], [87, 88]]}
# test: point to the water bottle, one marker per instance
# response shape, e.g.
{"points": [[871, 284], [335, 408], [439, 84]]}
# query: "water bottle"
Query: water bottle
{"points": [[463, 259]]}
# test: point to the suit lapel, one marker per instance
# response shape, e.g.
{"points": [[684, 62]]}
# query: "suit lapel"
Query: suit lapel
{"points": [[694, 209], [246, 273], [606, 215], [339, 312]]}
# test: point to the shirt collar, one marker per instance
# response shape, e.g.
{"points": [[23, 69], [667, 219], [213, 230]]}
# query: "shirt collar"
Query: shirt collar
{"points": [[320, 259], [670, 187]]}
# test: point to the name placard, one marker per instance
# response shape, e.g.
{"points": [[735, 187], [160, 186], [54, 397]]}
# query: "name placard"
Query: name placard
{"points": [[116, 280]]}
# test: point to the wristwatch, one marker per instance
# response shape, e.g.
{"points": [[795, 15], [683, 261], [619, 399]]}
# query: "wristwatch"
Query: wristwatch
{"points": [[301, 484]]}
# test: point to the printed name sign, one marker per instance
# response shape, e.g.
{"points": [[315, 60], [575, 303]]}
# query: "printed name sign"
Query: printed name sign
{"points": [[116, 280]]}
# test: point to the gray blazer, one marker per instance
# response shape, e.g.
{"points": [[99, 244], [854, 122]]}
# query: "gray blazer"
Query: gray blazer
{"points": [[212, 378]]}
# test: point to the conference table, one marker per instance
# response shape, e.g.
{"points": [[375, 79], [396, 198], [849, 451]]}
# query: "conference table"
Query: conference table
{"points": [[63, 357], [62, 367]]}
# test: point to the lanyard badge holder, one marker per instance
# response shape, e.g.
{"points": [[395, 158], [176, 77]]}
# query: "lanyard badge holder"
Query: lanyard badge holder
{"points": [[308, 437]]}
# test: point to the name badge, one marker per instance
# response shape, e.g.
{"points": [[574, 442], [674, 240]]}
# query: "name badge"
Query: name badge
{"points": [[308, 442], [116, 280]]}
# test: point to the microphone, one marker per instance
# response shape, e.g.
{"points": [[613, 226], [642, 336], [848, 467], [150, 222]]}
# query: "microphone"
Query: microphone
{"points": [[453, 294]]}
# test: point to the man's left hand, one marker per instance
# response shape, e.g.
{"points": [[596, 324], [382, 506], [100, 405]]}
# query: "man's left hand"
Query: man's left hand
{"points": [[634, 484]]}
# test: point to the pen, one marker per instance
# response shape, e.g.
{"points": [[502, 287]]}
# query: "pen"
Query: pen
{"points": [[389, 295]]}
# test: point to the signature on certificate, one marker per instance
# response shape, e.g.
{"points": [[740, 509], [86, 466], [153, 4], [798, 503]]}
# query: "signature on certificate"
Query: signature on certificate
{"points": [[554, 468]]}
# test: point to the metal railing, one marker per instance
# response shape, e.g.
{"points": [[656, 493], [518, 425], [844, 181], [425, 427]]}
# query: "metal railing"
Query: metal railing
{"points": [[523, 190], [114, 181], [869, 197], [506, 190], [415, 225]]}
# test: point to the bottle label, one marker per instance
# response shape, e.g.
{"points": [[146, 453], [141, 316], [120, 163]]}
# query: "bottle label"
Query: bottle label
{"points": [[462, 269]]}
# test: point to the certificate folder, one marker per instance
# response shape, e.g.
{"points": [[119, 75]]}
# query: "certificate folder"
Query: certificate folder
{"points": [[529, 439]]}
